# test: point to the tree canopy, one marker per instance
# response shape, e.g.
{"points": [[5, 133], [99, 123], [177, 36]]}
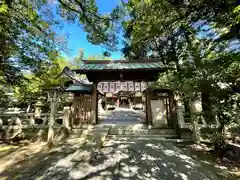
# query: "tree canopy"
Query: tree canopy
{"points": [[27, 40], [100, 28], [199, 43]]}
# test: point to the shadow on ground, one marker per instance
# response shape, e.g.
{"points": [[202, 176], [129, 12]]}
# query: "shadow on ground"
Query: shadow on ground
{"points": [[118, 158], [226, 167]]}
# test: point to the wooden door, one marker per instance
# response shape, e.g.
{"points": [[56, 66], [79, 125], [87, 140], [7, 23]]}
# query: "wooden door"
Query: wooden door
{"points": [[82, 110]]}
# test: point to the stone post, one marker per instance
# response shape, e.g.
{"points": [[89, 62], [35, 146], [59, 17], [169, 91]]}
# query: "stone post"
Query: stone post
{"points": [[180, 110], [118, 103], [52, 119], [66, 117], [100, 108], [130, 104], [196, 110]]}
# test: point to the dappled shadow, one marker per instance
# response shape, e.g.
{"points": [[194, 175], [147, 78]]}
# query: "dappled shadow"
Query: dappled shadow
{"points": [[225, 167], [119, 158]]}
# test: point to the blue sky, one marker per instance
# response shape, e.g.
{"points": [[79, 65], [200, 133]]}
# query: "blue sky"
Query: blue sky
{"points": [[77, 37]]}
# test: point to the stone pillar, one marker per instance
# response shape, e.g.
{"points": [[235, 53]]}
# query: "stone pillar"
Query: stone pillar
{"points": [[196, 110], [100, 108], [118, 103], [66, 117], [94, 104], [180, 110], [52, 119], [130, 104]]}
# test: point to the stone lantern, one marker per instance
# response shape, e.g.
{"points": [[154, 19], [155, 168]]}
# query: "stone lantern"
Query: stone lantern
{"points": [[38, 106]]}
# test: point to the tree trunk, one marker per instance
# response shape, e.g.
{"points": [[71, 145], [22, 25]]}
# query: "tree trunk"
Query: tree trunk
{"points": [[207, 108]]}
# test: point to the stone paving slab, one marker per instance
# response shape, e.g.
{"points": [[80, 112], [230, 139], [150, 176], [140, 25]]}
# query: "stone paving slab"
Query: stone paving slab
{"points": [[123, 116]]}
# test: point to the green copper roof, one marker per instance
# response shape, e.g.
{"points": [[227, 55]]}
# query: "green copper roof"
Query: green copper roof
{"points": [[79, 88], [98, 65]]}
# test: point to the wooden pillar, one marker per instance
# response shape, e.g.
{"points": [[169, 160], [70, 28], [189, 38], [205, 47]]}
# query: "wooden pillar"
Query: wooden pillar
{"points": [[74, 110], [52, 119], [148, 107], [71, 116], [94, 104], [173, 114]]}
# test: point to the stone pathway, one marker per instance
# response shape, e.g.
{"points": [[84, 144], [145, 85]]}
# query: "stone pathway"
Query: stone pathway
{"points": [[96, 156], [122, 116]]}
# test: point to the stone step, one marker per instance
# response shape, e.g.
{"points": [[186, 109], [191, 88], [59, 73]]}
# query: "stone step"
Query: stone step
{"points": [[117, 130], [153, 137], [185, 133], [165, 136]]}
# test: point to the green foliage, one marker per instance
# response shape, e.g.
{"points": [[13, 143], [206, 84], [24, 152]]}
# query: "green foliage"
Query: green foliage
{"points": [[78, 59], [26, 38], [31, 89], [194, 40]]}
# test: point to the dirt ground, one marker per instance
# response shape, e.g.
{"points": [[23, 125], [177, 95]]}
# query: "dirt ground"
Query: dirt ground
{"points": [[226, 167]]}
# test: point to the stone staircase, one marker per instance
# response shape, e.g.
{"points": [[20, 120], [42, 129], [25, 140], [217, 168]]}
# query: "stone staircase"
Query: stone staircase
{"points": [[140, 131], [136, 131]]}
